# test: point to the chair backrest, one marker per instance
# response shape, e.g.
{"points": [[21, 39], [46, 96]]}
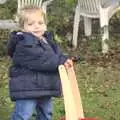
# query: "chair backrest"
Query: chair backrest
{"points": [[88, 6], [23, 3], [39, 3], [92, 6]]}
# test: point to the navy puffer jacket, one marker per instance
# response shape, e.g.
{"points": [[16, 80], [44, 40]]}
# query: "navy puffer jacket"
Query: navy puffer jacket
{"points": [[34, 69]]}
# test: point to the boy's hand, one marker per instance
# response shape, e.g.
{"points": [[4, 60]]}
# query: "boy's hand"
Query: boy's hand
{"points": [[68, 63]]}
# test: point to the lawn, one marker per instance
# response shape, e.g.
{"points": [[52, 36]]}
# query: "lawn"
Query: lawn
{"points": [[98, 79]]}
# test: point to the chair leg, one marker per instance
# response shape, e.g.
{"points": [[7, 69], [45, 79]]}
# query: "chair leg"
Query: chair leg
{"points": [[105, 38], [76, 26], [87, 26]]}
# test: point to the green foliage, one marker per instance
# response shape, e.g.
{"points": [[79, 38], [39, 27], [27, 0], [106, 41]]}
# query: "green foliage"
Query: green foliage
{"points": [[60, 15], [58, 108], [8, 9], [70, 2], [5, 103], [3, 42], [2, 48]]}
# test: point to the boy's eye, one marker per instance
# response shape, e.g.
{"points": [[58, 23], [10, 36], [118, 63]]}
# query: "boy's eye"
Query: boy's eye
{"points": [[40, 23], [30, 24]]}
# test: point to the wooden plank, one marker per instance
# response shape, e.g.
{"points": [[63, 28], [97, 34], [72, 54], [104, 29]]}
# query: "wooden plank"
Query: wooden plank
{"points": [[76, 92], [72, 100]]}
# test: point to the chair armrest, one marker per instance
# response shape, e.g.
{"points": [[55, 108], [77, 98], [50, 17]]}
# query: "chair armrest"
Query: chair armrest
{"points": [[3, 1]]}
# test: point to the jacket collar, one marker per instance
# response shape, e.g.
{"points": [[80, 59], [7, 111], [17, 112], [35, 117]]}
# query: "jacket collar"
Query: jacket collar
{"points": [[31, 39]]}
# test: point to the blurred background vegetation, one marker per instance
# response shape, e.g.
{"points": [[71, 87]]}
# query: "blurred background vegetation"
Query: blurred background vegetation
{"points": [[97, 74]]}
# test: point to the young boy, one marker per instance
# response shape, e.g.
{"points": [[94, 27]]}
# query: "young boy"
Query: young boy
{"points": [[34, 77]]}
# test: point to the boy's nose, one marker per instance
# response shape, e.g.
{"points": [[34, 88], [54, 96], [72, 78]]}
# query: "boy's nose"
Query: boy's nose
{"points": [[36, 25]]}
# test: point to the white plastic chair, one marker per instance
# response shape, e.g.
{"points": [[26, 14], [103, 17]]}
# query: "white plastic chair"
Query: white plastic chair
{"points": [[89, 9], [10, 24], [39, 3]]}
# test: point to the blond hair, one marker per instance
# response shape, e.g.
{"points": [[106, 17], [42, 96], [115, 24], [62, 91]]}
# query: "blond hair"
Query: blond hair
{"points": [[26, 11]]}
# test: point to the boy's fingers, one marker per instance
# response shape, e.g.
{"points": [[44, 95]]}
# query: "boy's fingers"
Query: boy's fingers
{"points": [[67, 65], [70, 62]]}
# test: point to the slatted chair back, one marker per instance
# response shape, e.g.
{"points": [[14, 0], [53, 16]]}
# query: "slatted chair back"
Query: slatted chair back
{"points": [[88, 6], [23, 3], [39, 3]]}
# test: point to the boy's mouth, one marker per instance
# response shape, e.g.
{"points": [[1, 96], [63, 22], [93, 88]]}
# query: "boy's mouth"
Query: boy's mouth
{"points": [[36, 32]]}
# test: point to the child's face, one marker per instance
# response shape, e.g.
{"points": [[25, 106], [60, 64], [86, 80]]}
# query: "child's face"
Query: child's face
{"points": [[35, 24]]}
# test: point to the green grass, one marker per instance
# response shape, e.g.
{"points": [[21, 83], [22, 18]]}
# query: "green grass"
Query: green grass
{"points": [[98, 79], [100, 91]]}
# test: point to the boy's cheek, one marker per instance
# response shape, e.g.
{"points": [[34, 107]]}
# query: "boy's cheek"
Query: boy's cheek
{"points": [[44, 28]]}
